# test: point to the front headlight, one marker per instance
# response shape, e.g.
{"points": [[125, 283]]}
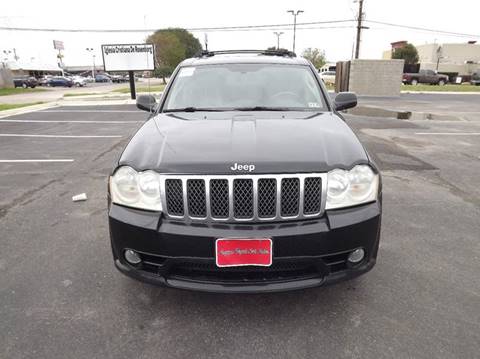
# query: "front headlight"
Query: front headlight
{"points": [[136, 189], [350, 188]]}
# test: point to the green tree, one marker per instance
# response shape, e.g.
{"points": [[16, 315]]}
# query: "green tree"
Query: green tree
{"points": [[315, 56], [408, 53], [172, 46], [163, 72]]}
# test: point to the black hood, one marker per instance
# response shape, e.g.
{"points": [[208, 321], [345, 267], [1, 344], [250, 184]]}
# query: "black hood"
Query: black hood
{"points": [[275, 142]]}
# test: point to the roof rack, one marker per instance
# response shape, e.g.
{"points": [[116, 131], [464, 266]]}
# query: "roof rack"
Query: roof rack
{"points": [[280, 52]]}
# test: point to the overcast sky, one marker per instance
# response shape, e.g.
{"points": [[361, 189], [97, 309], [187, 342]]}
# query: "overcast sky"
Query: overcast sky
{"points": [[457, 16]]}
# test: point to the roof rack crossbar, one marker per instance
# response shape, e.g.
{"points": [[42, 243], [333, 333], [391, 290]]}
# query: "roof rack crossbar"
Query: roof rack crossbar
{"points": [[285, 53]]}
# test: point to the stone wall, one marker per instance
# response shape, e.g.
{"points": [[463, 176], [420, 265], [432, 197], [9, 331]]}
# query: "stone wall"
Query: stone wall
{"points": [[376, 77], [6, 78]]}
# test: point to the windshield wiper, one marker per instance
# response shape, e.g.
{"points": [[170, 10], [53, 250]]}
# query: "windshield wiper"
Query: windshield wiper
{"points": [[261, 108], [193, 109]]}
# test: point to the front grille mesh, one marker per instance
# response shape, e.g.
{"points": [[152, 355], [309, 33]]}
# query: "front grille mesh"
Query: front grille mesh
{"points": [[267, 197], [312, 194], [197, 203], [290, 196], [174, 196], [219, 198], [244, 198]]}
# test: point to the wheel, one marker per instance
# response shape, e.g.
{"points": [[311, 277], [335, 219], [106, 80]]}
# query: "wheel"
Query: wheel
{"points": [[414, 82], [24, 85], [78, 84], [33, 86], [441, 82], [49, 84]]}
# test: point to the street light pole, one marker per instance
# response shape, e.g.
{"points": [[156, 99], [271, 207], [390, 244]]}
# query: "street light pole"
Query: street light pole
{"points": [[294, 13], [278, 38], [90, 50]]}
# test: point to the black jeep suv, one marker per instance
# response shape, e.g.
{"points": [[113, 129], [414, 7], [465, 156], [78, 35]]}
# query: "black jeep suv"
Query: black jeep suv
{"points": [[245, 178]]}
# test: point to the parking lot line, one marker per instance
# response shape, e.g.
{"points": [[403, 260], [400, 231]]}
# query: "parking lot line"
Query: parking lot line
{"points": [[38, 160], [449, 133], [66, 121], [58, 136], [91, 111]]}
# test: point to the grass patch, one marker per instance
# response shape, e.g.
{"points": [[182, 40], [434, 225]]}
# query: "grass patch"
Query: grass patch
{"points": [[156, 88], [18, 90], [9, 106], [446, 88], [80, 94]]}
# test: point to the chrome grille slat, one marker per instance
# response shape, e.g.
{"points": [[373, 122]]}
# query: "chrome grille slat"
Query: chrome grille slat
{"points": [[244, 198]]}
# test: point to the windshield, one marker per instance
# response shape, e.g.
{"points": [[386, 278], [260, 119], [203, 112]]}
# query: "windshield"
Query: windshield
{"points": [[245, 87]]}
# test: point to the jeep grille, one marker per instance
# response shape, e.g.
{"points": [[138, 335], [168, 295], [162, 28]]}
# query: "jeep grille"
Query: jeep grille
{"points": [[244, 198]]}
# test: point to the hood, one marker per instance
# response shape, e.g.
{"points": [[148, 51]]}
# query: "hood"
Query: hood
{"points": [[274, 142]]}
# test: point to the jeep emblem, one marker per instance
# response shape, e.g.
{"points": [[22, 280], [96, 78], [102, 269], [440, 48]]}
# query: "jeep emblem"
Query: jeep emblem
{"points": [[242, 167]]}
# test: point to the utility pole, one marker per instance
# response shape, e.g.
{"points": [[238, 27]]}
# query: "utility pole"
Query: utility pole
{"points": [[206, 41], [294, 13], [278, 38], [359, 27]]}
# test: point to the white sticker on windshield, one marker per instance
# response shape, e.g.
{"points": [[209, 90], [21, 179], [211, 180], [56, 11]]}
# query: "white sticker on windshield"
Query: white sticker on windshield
{"points": [[313, 104], [186, 71]]}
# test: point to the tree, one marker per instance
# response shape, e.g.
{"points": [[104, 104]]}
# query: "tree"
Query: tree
{"points": [[172, 46], [408, 53], [163, 72], [315, 56]]}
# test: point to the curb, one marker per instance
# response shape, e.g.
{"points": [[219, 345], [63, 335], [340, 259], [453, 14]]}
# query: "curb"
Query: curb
{"points": [[27, 109], [442, 92]]}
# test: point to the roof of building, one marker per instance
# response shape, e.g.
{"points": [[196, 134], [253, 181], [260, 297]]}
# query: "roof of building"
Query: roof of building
{"points": [[32, 66]]}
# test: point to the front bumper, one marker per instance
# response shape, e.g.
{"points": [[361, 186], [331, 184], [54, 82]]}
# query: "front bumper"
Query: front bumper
{"points": [[306, 253]]}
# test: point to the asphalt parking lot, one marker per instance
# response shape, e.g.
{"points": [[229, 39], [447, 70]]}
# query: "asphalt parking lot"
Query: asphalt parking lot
{"points": [[61, 297]]}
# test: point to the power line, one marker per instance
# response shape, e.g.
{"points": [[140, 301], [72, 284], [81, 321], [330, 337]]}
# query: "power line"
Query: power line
{"points": [[222, 28], [287, 27], [423, 29]]}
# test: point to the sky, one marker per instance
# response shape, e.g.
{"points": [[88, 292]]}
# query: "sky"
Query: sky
{"points": [[337, 41]]}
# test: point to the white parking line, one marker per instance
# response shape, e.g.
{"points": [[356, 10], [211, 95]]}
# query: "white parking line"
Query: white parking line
{"points": [[39, 160], [449, 133], [89, 111], [66, 121], [57, 136]]}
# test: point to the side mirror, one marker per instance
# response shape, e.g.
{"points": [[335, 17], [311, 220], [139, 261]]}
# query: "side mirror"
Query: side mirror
{"points": [[345, 100], [146, 102]]}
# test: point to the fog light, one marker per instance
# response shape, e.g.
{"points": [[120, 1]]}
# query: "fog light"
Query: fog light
{"points": [[356, 256], [132, 257]]}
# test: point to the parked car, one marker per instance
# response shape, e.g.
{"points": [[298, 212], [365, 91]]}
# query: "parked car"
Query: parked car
{"points": [[79, 81], [475, 80], [102, 78], [42, 81], [424, 77], [119, 78], [245, 178], [328, 77], [25, 81], [59, 81]]}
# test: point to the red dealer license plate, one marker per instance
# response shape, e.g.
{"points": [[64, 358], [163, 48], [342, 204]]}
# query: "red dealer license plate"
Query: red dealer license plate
{"points": [[236, 252]]}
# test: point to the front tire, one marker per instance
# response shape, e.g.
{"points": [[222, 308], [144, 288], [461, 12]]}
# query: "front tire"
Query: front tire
{"points": [[24, 86], [414, 82], [441, 82]]}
